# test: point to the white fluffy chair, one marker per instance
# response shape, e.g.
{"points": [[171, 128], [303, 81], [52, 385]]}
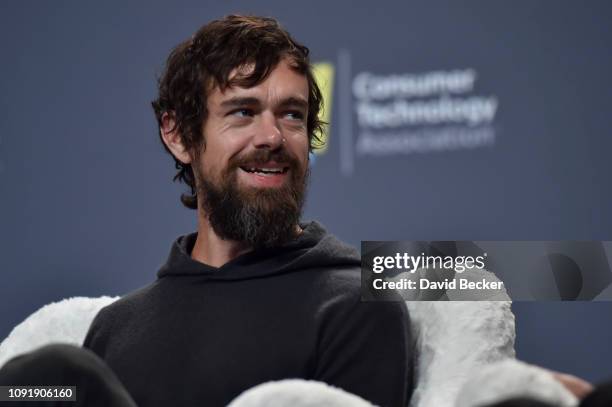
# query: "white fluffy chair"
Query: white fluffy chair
{"points": [[453, 342]]}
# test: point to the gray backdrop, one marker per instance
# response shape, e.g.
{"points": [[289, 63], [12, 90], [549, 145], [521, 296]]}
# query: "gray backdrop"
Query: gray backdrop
{"points": [[88, 208]]}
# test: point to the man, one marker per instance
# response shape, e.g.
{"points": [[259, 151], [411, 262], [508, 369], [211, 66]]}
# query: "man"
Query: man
{"points": [[255, 295]]}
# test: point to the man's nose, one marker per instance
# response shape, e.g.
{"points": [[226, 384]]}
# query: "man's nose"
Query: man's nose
{"points": [[268, 134]]}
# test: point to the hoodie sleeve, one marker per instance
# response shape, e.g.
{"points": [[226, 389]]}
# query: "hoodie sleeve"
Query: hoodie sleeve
{"points": [[97, 338], [364, 348]]}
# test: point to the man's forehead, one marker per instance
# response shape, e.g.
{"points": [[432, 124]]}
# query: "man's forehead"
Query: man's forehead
{"points": [[242, 70], [247, 68], [290, 85], [258, 94]]}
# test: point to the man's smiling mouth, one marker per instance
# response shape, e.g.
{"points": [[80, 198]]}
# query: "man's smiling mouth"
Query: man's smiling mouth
{"points": [[265, 170]]}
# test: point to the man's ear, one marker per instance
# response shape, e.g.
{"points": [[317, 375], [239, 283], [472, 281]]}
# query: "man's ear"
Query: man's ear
{"points": [[172, 139]]}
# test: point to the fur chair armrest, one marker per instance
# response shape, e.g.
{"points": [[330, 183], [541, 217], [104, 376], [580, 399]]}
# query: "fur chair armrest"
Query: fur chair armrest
{"points": [[509, 379], [297, 393], [453, 339], [65, 321]]}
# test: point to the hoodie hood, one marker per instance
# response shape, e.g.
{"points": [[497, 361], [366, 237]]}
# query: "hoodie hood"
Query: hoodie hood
{"points": [[314, 248]]}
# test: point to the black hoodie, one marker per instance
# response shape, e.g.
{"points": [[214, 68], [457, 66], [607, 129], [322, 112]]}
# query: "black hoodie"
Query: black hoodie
{"points": [[201, 335]]}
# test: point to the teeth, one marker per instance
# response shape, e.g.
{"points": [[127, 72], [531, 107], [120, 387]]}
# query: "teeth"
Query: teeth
{"points": [[266, 170]]}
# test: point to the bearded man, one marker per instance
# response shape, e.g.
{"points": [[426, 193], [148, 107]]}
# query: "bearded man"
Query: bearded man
{"points": [[255, 294]]}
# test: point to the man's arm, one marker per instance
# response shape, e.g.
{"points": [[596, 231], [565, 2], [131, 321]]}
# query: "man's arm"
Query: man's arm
{"points": [[96, 337], [365, 348]]}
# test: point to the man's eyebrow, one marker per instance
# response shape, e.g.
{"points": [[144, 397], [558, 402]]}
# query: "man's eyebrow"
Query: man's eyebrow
{"points": [[291, 101], [240, 102], [294, 102]]}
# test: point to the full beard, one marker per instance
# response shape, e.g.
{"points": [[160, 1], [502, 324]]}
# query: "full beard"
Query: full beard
{"points": [[259, 217]]}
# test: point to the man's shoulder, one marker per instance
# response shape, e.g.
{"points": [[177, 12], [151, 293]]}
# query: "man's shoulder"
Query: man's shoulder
{"points": [[340, 289], [118, 316], [333, 280], [130, 303], [343, 285]]}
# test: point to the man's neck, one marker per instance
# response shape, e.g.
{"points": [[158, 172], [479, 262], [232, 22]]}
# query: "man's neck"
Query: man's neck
{"points": [[211, 249]]}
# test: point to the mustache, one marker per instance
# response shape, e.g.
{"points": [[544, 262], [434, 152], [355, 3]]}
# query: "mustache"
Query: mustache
{"points": [[264, 156]]}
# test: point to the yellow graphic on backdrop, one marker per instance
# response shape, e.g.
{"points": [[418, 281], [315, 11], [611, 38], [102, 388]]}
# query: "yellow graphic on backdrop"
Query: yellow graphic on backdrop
{"points": [[324, 75]]}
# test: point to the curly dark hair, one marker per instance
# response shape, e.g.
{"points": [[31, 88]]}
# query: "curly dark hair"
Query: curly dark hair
{"points": [[204, 62]]}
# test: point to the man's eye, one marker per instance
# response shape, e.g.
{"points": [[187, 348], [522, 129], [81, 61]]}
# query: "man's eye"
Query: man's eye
{"points": [[242, 113], [294, 115]]}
